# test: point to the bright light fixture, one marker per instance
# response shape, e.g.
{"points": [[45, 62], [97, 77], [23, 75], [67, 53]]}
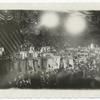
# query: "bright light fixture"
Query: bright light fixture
{"points": [[49, 19], [75, 24]]}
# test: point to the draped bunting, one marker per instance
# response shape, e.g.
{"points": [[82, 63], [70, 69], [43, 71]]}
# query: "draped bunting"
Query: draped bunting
{"points": [[10, 36]]}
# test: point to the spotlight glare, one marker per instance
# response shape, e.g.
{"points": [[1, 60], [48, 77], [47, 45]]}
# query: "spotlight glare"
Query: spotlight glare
{"points": [[75, 24], [50, 20]]}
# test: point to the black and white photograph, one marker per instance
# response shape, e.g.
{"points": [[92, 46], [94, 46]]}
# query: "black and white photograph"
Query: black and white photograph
{"points": [[43, 49]]}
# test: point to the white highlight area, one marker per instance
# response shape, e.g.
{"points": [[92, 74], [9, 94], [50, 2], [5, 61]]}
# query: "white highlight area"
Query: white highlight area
{"points": [[75, 24], [49, 19]]}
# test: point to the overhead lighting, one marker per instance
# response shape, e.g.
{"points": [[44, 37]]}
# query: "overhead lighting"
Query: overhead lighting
{"points": [[75, 24], [49, 19]]}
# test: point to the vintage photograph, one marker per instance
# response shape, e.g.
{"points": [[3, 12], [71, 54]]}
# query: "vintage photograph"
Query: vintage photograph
{"points": [[43, 49]]}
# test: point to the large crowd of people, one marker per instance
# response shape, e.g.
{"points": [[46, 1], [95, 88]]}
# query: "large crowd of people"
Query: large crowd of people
{"points": [[51, 68], [85, 59]]}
